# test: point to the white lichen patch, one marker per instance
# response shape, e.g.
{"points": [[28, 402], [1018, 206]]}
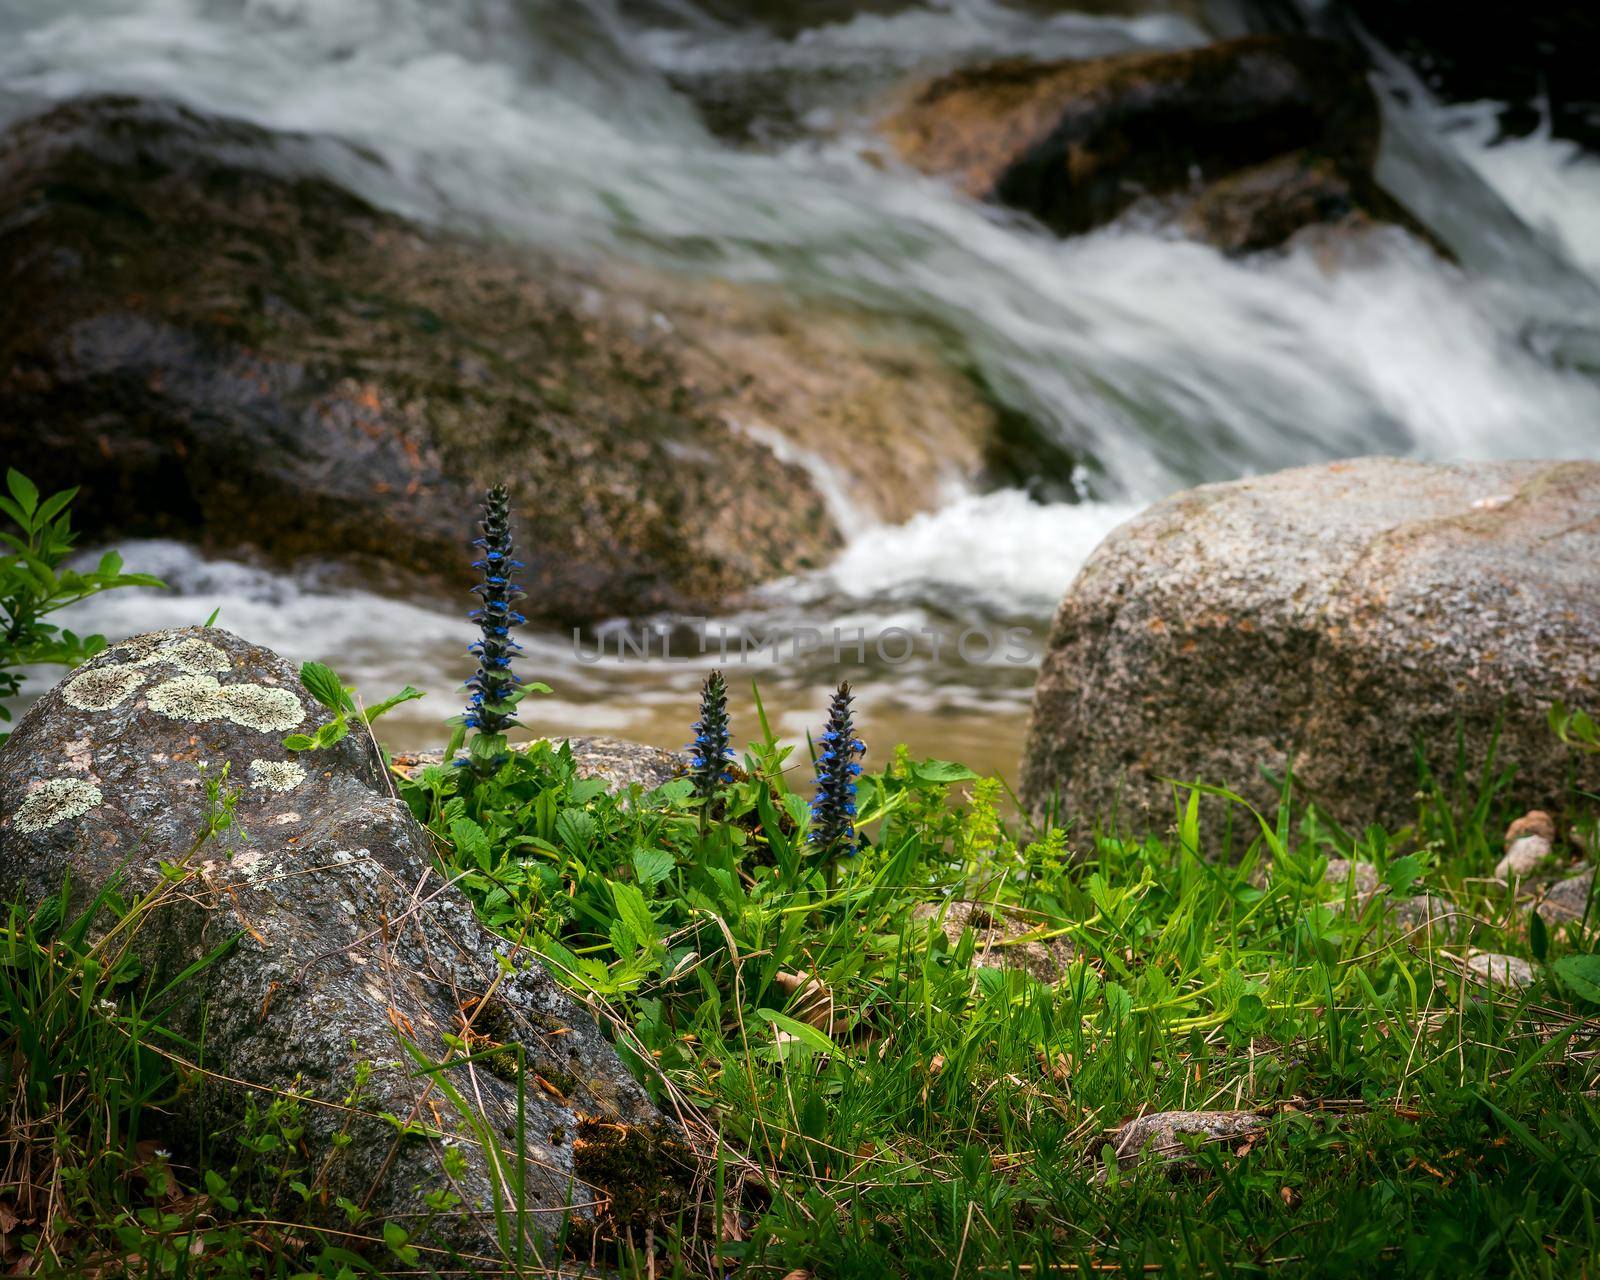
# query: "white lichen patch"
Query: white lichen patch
{"points": [[102, 688], [194, 655], [57, 801], [263, 707], [276, 775], [199, 698]]}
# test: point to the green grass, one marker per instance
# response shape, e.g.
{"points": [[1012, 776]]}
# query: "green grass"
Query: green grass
{"points": [[870, 1097]]}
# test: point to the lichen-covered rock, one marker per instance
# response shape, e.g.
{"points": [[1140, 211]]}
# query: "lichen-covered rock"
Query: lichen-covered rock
{"points": [[1290, 121], [219, 347], [1346, 614], [348, 941]]}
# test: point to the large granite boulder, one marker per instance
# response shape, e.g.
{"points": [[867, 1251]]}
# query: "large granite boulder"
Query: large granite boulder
{"points": [[1349, 613], [1289, 120], [215, 345], [348, 944]]}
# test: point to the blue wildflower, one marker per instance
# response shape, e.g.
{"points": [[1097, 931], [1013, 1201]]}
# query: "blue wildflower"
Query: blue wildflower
{"points": [[491, 708], [711, 750], [833, 809]]}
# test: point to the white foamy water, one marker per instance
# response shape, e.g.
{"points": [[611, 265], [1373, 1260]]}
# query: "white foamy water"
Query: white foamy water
{"points": [[572, 124]]}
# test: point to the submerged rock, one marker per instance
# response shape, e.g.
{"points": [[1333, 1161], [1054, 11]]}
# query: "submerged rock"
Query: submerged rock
{"points": [[1347, 615], [218, 346], [1285, 126], [349, 945]]}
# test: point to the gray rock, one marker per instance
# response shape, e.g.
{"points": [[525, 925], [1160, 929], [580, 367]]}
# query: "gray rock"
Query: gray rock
{"points": [[1567, 899], [998, 935], [1523, 856], [1162, 1134], [1511, 972], [347, 938], [621, 763], [1344, 613]]}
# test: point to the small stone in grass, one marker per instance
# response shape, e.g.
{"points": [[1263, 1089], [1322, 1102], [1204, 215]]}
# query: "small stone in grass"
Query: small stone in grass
{"points": [[1163, 1133], [1510, 972]]}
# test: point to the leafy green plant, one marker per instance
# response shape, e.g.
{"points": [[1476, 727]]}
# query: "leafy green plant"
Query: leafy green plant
{"points": [[1575, 727], [34, 585], [322, 683]]}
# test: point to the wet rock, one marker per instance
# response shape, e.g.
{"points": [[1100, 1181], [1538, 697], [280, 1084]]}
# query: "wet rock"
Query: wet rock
{"points": [[1266, 205], [1567, 899], [1509, 972], [1288, 121], [622, 764], [1342, 613], [348, 942], [1163, 1133], [220, 347], [997, 937]]}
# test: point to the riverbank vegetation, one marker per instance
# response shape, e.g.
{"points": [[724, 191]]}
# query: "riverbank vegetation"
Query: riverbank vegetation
{"points": [[919, 1060], [906, 1032]]}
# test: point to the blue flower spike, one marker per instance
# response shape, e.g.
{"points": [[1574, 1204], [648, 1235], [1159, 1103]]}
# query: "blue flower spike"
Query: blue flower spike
{"points": [[711, 751], [492, 704], [833, 809]]}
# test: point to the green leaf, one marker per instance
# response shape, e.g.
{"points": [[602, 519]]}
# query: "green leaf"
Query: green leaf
{"points": [[299, 742], [804, 1032], [16, 513], [1402, 874], [408, 694], [110, 564], [322, 683], [943, 772], [23, 490], [1581, 976], [331, 733], [575, 828], [472, 844], [213, 618], [51, 506], [652, 866], [1538, 936], [634, 914]]}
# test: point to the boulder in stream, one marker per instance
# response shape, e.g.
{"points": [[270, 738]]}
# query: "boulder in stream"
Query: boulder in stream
{"points": [[219, 346], [1250, 139]]}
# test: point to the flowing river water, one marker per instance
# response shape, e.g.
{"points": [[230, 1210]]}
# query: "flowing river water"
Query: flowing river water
{"points": [[582, 126]]}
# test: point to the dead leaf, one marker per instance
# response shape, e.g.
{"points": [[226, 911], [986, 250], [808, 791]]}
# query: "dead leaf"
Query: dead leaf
{"points": [[810, 1001]]}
